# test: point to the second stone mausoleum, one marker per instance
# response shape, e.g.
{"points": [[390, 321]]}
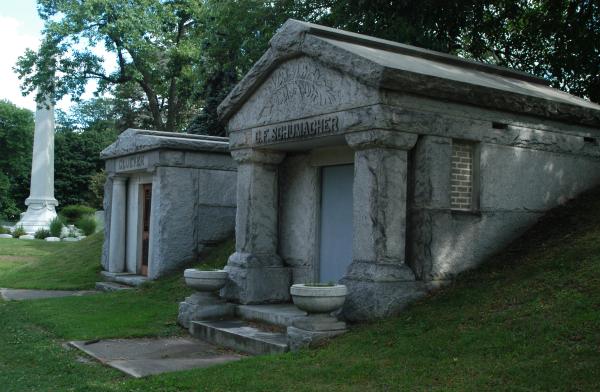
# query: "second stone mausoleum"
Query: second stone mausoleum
{"points": [[390, 168], [168, 196]]}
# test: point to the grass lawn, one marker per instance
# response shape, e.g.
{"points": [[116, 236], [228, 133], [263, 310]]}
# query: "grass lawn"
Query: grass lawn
{"points": [[528, 320], [50, 265]]}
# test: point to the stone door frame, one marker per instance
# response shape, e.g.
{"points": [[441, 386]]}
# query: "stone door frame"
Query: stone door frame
{"points": [[320, 158]]}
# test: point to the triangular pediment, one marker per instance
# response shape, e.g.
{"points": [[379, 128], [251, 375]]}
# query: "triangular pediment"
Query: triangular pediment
{"points": [[298, 88]]}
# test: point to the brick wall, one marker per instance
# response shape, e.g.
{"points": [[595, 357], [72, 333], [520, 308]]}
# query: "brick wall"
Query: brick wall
{"points": [[461, 177]]}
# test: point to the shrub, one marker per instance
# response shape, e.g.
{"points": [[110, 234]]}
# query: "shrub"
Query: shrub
{"points": [[75, 212], [87, 225], [18, 231], [97, 182], [56, 226], [42, 234], [4, 230]]}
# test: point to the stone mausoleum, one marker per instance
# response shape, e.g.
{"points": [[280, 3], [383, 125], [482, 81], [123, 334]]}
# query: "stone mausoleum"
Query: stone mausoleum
{"points": [[168, 196], [388, 167]]}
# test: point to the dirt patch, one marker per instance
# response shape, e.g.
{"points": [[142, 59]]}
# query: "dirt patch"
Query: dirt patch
{"points": [[16, 259]]}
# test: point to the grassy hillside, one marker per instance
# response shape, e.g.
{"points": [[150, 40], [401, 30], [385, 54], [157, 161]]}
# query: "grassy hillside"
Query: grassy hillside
{"points": [[529, 320]]}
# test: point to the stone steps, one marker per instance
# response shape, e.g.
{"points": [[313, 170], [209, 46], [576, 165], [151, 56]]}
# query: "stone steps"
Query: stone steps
{"points": [[111, 286], [128, 279], [241, 336], [276, 314]]}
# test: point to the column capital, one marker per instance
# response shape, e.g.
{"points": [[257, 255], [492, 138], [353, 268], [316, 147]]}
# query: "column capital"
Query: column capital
{"points": [[119, 179], [379, 138], [250, 155]]}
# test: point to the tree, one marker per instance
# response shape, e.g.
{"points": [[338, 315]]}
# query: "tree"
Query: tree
{"points": [[431, 24], [16, 144], [555, 39], [175, 60], [230, 49], [81, 135], [150, 39]]}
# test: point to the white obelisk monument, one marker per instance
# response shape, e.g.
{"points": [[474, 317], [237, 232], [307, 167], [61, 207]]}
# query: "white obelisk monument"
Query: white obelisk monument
{"points": [[41, 202]]}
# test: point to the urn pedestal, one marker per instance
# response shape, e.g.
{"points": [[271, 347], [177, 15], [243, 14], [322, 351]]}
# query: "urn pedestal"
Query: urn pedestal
{"points": [[205, 303], [318, 301]]}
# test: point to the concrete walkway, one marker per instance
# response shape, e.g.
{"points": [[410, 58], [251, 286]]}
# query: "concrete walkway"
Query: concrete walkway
{"points": [[22, 294], [144, 357]]}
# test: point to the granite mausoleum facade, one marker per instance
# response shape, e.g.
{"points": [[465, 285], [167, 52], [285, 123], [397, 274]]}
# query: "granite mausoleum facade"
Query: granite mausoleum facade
{"points": [[390, 168], [167, 197]]}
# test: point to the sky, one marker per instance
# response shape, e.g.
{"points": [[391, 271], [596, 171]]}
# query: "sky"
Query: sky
{"points": [[21, 28]]}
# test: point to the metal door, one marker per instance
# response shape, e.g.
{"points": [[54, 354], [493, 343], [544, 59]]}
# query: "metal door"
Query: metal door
{"points": [[146, 209], [336, 222]]}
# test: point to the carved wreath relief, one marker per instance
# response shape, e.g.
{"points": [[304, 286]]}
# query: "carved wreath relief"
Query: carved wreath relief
{"points": [[300, 83]]}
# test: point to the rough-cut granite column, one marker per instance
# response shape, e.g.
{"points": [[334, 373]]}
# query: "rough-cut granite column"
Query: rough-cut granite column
{"points": [[116, 248], [379, 281], [106, 204], [256, 272]]}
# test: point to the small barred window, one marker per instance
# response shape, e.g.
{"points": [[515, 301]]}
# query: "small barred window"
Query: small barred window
{"points": [[461, 177]]}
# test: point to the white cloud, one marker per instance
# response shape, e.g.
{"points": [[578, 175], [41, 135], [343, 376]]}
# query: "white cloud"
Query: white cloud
{"points": [[13, 44]]}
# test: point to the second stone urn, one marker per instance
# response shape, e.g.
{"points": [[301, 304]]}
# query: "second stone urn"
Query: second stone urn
{"points": [[319, 301], [318, 298], [205, 303]]}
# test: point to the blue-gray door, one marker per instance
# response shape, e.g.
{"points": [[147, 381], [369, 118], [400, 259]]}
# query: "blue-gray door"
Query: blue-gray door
{"points": [[336, 222]]}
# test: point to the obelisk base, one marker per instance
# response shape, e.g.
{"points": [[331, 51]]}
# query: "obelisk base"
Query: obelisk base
{"points": [[38, 215]]}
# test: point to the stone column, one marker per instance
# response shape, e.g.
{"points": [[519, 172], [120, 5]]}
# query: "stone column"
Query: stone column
{"points": [[41, 202], [116, 247], [379, 281], [256, 272]]}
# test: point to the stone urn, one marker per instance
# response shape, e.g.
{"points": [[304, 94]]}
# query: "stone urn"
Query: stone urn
{"points": [[318, 298], [205, 303], [205, 281], [319, 301]]}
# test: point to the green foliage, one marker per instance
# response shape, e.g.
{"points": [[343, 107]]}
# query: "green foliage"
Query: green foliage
{"points": [[216, 258], [73, 213], [434, 24], [56, 225], [18, 231], [4, 230], [81, 135], [96, 186], [42, 234], [230, 49], [557, 40], [16, 143], [87, 224]]}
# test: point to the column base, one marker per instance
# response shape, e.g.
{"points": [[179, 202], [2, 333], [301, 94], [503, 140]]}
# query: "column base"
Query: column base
{"points": [[38, 215], [257, 282], [379, 290]]}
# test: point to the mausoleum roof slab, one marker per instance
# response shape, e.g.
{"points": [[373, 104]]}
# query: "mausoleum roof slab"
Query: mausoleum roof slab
{"points": [[134, 141], [392, 66]]}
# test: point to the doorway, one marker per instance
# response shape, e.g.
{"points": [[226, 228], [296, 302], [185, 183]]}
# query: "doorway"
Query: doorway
{"points": [[335, 251], [146, 210]]}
